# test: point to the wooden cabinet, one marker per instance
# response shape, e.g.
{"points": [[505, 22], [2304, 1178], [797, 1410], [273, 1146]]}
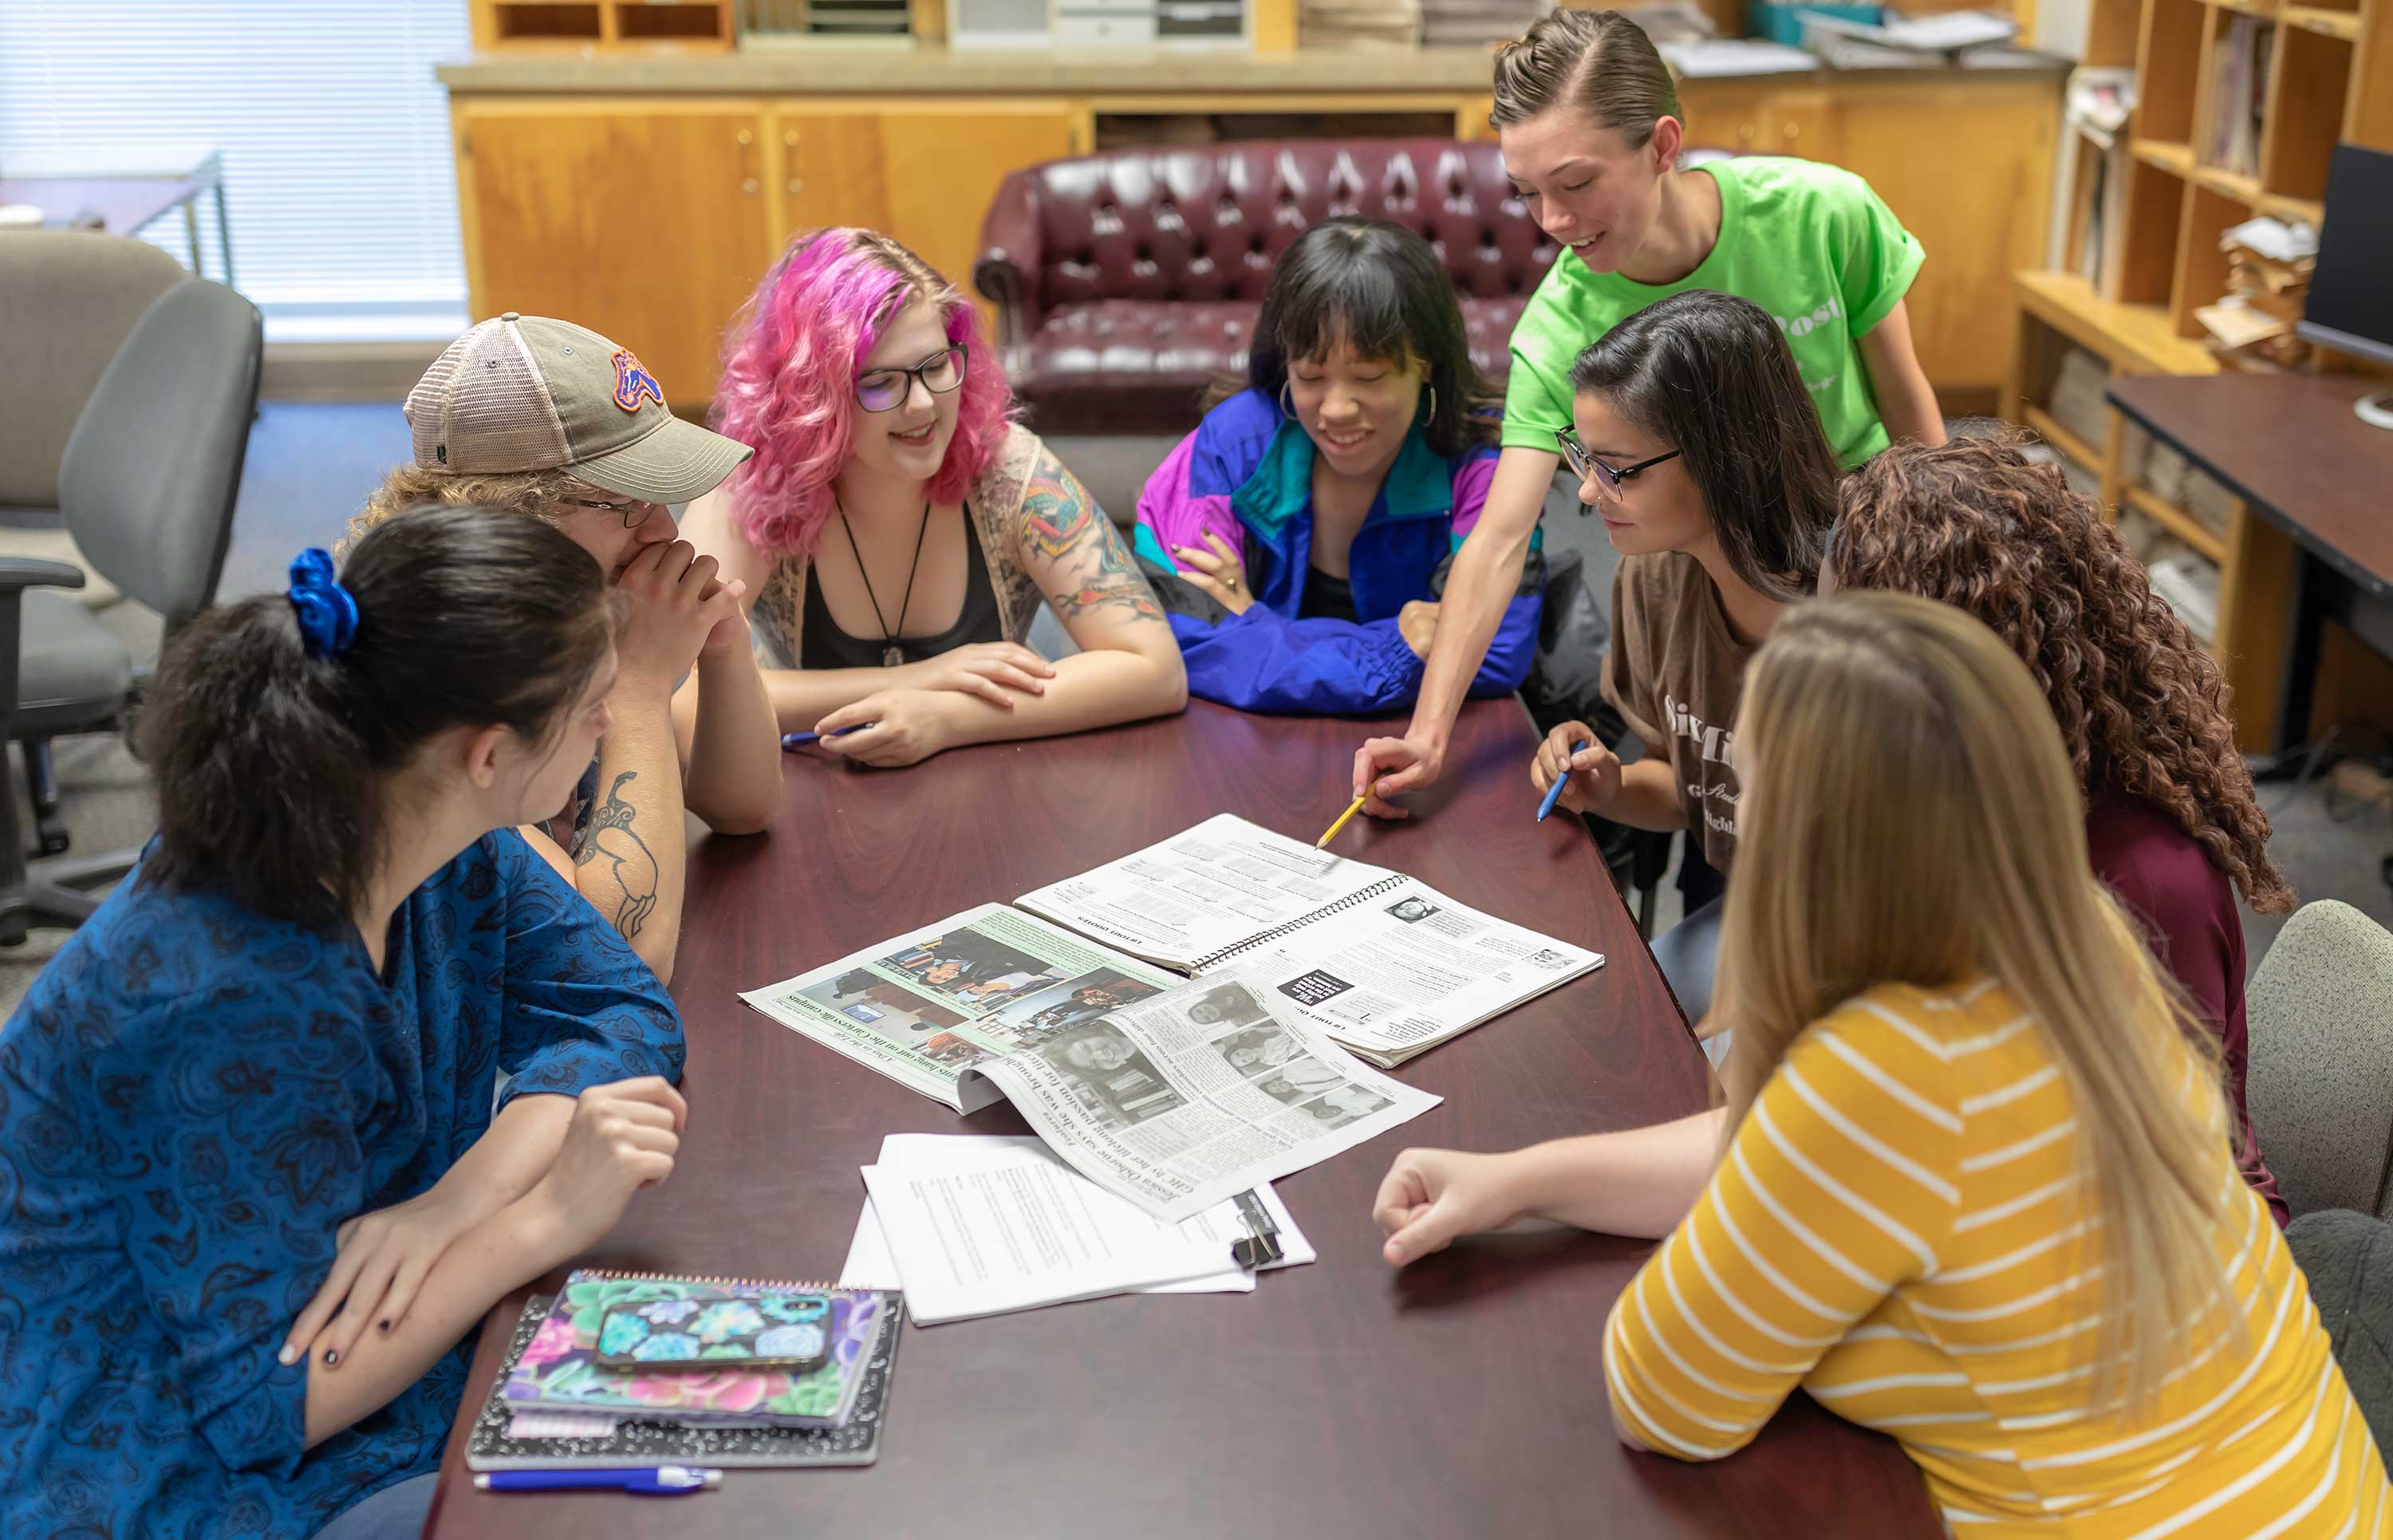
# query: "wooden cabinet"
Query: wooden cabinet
{"points": [[923, 171], [644, 219], [1965, 165], [651, 218], [1752, 118], [1968, 168]]}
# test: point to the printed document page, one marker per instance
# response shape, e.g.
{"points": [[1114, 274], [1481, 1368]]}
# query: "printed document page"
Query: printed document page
{"points": [[987, 1231], [1406, 969], [871, 1263], [1212, 887]]}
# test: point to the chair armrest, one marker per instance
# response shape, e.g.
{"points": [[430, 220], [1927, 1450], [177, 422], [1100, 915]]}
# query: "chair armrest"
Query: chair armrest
{"points": [[1007, 270], [17, 573]]}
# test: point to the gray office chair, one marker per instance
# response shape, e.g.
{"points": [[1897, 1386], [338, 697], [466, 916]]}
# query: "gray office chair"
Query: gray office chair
{"points": [[148, 487], [2320, 1080]]}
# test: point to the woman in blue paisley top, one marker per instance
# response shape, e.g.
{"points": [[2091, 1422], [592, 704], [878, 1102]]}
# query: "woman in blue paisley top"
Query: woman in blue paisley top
{"points": [[257, 1180]]}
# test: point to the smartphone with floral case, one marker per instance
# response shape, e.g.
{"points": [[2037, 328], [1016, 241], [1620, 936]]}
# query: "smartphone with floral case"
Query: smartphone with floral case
{"points": [[714, 1328]]}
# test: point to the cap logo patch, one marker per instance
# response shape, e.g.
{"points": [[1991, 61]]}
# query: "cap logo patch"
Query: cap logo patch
{"points": [[632, 382]]}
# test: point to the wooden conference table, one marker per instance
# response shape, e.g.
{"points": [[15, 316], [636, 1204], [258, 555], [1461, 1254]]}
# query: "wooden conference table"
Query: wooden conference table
{"points": [[1462, 1396]]}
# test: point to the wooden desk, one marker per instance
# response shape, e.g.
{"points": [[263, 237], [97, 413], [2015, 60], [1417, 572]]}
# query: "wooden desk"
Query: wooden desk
{"points": [[1463, 1396], [2290, 447]]}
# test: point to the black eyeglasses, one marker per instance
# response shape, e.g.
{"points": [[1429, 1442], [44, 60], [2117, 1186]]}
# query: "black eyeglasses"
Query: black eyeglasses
{"points": [[887, 389], [1606, 476], [634, 513]]}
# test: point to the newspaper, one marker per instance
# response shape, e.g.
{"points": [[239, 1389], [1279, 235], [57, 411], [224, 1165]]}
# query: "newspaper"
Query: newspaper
{"points": [[1384, 963], [1193, 1095], [925, 1008]]}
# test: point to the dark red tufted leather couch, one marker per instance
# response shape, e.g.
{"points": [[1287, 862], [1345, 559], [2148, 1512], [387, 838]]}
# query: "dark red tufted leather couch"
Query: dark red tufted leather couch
{"points": [[1125, 280]]}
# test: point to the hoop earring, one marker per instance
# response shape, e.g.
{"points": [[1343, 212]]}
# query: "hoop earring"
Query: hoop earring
{"points": [[1431, 416], [1286, 401]]}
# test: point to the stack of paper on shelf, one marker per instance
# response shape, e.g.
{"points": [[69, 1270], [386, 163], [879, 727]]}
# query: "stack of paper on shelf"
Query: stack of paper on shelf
{"points": [[1914, 42], [1468, 23], [1358, 23], [2269, 268]]}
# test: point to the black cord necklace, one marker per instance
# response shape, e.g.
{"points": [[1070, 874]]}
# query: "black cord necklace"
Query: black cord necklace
{"points": [[891, 654]]}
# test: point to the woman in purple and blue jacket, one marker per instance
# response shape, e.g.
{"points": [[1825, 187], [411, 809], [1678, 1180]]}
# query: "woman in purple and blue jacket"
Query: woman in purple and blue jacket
{"points": [[1309, 517]]}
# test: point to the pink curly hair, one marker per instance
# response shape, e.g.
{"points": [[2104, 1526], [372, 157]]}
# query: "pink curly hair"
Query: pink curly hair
{"points": [[788, 387]]}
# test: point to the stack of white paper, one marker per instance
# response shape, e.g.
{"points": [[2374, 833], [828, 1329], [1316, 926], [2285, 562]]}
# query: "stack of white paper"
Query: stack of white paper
{"points": [[979, 1225], [1722, 58]]}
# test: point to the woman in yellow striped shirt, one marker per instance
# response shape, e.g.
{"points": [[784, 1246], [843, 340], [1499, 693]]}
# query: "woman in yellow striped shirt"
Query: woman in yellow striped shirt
{"points": [[1973, 1186]]}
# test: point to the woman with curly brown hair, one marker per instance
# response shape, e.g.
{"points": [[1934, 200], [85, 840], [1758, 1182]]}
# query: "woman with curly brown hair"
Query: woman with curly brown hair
{"points": [[2171, 822]]}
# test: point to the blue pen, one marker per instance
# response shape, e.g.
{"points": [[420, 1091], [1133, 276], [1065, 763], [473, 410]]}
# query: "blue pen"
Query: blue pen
{"points": [[1554, 793], [799, 740], [664, 1479]]}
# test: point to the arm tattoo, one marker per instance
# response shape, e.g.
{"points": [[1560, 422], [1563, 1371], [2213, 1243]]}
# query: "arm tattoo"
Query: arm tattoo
{"points": [[1088, 568], [635, 871]]}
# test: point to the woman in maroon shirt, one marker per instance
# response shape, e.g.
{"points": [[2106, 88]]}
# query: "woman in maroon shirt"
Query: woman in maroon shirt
{"points": [[2171, 823]]}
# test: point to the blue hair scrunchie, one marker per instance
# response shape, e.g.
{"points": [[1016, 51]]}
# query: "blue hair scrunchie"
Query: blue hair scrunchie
{"points": [[328, 613]]}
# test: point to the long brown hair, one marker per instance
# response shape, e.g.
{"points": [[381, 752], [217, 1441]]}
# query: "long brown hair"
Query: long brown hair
{"points": [[2142, 705], [1910, 816], [1598, 61], [1711, 375]]}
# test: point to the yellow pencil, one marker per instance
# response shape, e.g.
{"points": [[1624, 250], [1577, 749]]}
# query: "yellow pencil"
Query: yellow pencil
{"points": [[1352, 808]]}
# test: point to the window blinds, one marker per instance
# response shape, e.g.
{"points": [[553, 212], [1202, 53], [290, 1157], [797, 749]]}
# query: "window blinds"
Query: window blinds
{"points": [[339, 180]]}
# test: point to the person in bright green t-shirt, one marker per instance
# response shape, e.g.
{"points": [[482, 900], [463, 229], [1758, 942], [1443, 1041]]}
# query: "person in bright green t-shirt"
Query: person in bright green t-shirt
{"points": [[1810, 243], [1590, 128]]}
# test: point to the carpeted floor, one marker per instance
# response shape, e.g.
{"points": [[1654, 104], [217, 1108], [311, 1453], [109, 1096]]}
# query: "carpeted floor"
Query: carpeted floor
{"points": [[310, 465]]}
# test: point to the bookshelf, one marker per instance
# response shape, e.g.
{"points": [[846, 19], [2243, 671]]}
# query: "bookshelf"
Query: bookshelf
{"points": [[612, 25], [2239, 105], [654, 26]]}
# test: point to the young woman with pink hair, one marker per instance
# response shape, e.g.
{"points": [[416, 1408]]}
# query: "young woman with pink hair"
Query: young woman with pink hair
{"points": [[898, 532]]}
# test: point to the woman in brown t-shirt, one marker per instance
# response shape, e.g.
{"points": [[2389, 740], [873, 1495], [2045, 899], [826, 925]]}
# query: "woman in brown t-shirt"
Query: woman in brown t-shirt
{"points": [[1695, 438]]}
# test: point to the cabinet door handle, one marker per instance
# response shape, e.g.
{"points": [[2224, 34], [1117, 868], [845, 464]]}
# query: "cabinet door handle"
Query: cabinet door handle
{"points": [[789, 138], [1790, 130], [1745, 132], [797, 186], [746, 139]]}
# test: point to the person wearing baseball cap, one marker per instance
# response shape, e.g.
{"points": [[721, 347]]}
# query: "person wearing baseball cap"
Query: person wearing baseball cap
{"points": [[557, 423]]}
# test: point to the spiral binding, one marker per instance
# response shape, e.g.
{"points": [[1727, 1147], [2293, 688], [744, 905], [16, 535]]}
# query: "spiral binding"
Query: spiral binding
{"points": [[1380, 889], [610, 1276]]}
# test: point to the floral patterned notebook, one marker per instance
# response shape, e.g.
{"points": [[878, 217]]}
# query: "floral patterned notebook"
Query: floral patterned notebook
{"points": [[497, 1442], [559, 1370]]}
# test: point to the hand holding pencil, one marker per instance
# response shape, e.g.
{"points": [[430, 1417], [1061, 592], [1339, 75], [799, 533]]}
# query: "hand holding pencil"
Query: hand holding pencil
{"points": [[1575, 760], [1352, 808]]}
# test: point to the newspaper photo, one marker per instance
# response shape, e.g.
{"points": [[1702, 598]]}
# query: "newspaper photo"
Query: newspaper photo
{"points": [[924, 1009], [1186, 1098]]}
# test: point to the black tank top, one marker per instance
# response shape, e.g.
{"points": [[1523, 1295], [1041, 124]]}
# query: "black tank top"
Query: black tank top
{"points": [[1326, 598], [824, 645]]}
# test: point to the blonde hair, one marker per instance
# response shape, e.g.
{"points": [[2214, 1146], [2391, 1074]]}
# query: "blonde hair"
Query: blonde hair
{"points": [[530, 492], [1909, 816]]}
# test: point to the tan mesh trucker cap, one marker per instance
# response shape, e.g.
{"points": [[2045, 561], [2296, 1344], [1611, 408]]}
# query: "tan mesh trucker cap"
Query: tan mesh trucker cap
{"points": [[524, 393]]}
